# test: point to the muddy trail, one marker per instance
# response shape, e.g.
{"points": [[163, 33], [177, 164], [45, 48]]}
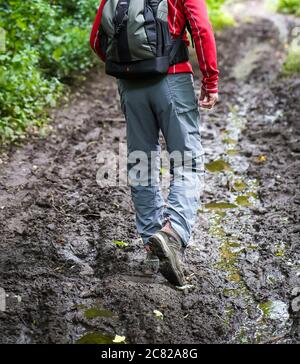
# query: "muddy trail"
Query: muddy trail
{"points": [[65, 279]]}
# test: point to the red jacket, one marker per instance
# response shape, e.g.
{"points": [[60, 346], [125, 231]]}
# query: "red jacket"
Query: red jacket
{"points": [[179, 11]]}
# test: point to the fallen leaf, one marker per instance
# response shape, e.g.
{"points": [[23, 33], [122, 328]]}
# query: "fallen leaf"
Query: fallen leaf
{"points": [[121, 244], [261, 159], [158, 314], [119, 339]]}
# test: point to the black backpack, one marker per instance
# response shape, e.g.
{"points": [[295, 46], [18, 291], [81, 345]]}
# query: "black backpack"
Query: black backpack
{"points": [[136, 39]]}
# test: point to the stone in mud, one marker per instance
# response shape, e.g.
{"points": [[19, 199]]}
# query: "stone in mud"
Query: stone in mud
{"points": [[296, 291], [93, 135], [16, 225], [295, 147], [295, 304]]}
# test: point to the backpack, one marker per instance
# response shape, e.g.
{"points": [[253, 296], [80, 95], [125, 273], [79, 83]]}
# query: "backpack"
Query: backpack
{"points": [[136, 40]]}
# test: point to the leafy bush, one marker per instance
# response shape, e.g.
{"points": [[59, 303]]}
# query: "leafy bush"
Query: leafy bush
{"points": [[25, 93], [217, 16], [292, 62], [289, 6], [46, 43]]}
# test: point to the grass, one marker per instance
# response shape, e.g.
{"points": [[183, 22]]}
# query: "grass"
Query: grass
{"points": [[289, 6]]}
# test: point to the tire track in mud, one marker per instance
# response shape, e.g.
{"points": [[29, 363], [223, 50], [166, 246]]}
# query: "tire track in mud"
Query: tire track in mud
{"points": [[66, 280]]}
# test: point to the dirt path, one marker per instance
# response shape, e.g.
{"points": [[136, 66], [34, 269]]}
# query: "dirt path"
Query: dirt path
{"points": [[66, 280]]}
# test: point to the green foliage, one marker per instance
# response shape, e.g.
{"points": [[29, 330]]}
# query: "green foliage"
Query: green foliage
{"points": [[292, 62], [289, 6], [218, 17], [25, 93], [46, 43]]}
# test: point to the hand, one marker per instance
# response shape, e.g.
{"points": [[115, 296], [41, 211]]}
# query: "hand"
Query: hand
{"points": [[208, 100]]}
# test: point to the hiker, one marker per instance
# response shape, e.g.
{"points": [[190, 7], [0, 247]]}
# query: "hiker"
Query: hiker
{"points": [[144, 44]]}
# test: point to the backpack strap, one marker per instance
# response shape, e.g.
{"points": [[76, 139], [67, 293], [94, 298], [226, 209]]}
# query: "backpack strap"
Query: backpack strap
{"points": [[121, 17], [154, 5], [176, 46], [189, 28], [120, 22]]}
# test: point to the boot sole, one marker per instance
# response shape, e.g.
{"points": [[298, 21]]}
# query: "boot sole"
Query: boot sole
{"points": [[169, 266]]}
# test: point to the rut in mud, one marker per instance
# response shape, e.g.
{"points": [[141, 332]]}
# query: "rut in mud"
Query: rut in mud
{"points": [[66, 280]]}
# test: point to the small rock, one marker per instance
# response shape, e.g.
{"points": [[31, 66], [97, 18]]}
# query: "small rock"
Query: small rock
{"points": [[93, 135], [297, 199], [88, 293], [295, 147], [295, 305], [296, 291], [51, 227], [87, 271], [82, 208]]}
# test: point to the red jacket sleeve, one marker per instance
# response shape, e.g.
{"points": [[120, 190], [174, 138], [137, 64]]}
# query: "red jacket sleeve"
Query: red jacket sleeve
{"points": [[95, 35], [202, 33]]}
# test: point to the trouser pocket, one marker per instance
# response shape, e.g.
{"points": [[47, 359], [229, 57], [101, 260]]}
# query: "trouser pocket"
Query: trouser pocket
{"points": [[181, 87]]}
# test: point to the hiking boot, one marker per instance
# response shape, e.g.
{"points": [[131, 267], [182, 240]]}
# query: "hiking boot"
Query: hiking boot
{"points": [[167, 247], [151, 263]]}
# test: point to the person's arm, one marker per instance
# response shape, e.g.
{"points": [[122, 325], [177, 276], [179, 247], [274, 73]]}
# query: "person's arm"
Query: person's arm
{"points": [[95, 40], [203, 36]]}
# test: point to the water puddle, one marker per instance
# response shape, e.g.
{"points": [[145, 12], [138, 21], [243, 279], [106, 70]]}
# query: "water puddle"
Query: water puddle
{"points": [[228, 221], [274, 310], [95, 338], [229, 141], [232, 152], [220, 206], [239, 186], [243, 201], [94, 312], [218, 166], [280, 249]]}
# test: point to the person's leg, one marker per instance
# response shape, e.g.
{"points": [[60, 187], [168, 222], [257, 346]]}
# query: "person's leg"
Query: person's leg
{"points": [[180, 126], [143, 141]]}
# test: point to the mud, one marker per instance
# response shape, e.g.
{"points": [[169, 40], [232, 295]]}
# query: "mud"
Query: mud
{"points": [[66, 280]]}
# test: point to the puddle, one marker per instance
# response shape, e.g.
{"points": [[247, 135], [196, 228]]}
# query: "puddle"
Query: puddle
{"points": [[229, 258], [94, 312], [220, 206], [234, 244], [218, 166], [95, 338], [280, 249], [229, 141], [232, 151], [274, 310], [239, 186], [243, 201], [246, 200], [217, 231]]}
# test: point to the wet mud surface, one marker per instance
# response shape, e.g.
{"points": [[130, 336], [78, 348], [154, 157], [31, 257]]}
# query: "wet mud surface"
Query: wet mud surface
{"points": [[65, 278]]}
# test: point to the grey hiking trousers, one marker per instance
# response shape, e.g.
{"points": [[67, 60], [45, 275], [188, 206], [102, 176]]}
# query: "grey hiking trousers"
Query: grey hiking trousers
{"points": [[168, 104]]}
